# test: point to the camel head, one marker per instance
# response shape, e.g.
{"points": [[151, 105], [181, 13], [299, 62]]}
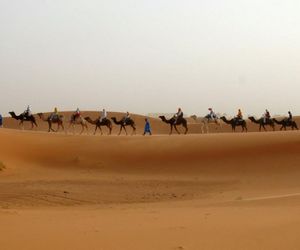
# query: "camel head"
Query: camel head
{"points": [[162, 117], [12, 114], [251, 118]]}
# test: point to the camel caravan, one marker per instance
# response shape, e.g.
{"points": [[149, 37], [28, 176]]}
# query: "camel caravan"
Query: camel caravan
{"points": [[176, 120]]}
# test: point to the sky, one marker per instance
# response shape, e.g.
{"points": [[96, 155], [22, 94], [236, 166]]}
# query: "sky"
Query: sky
{"points": [[150, 56]]}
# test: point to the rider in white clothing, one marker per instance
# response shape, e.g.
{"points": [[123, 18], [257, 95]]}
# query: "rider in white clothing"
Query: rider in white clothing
{"points": [[27, 112], [212, 114], [103, 115]]}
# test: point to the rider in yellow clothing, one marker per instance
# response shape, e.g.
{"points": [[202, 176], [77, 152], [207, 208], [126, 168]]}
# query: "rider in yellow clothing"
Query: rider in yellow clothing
{"points": [[54, 114]]}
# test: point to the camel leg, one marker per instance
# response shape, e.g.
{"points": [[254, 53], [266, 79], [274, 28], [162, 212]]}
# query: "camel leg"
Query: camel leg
{"points": [[82, 129], [49, 128], [21, 124], [95, 129], [186, 129], [125, 130], [202, 130], [121, 129], [220, 127], [133, 130], [171, 129], [68, 128], [109, 129], [60, 124], [176, 129], [100, 130], [71, 124]]}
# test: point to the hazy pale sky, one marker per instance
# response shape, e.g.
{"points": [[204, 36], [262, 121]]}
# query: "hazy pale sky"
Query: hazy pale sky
{"points": [[150, 56]]}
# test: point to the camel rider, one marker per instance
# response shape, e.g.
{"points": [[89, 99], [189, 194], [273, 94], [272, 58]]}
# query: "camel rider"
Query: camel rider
{"points": [[290, 118], [239, 115], [54, 114], [267, 116], [212, 115], [126, 118], [76, 114], [27, 111], [103, 115], [178, 116]]}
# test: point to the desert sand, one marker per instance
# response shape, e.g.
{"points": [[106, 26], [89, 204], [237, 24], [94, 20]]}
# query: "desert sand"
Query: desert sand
{"points": [[199, 191]]}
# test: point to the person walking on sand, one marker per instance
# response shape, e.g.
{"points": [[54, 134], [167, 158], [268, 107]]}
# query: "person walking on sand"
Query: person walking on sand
{"points": [[147, 128], [1, 121], [103, 115]]}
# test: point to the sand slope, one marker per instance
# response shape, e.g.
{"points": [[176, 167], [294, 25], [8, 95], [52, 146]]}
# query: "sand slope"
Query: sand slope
{"points": [[218, 191]]}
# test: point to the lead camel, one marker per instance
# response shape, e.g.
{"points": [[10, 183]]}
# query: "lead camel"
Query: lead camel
{"points": [[286, 123], [23, 118]]}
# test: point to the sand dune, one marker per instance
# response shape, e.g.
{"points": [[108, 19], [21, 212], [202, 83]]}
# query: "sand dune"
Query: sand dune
{"points": [[217, 191]]}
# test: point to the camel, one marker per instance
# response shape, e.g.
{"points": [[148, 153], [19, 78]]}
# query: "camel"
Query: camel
{"points": [[105, 122], [262, 123], [205, 121], [171, 121], [235, 123], [59, 119], [23, 118], [286, 123], [128, 122], [79, 120]]}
